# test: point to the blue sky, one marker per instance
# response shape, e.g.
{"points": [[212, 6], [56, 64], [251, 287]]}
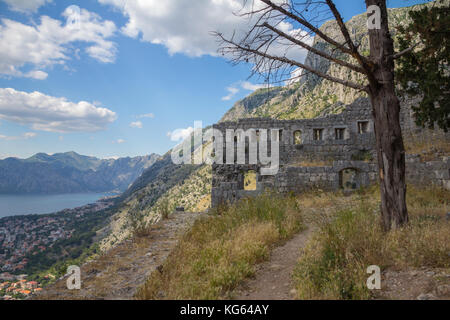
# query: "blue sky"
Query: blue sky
{"points": [[127, 77]]}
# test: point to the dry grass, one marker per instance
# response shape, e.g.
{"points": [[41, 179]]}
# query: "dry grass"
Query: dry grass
{"points": [[313, 163], [350, 239], [203, 204], [429, 148], [221, 250]]}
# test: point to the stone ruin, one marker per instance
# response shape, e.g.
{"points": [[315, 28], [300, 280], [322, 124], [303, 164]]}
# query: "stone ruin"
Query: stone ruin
{"points": [[328, 153]]}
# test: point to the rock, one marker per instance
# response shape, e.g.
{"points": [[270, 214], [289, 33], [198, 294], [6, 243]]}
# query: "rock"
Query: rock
{"points": [[275, 267], [443, 290], [426, 296], [293, 292]]}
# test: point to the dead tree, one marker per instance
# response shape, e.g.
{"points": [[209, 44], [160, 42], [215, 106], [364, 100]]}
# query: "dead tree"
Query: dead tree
{"points": [[266, 37]]}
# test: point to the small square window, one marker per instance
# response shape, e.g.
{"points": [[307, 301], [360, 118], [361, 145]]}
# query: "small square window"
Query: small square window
{"points": [[339, 133], [318, 134], [363, 127]]}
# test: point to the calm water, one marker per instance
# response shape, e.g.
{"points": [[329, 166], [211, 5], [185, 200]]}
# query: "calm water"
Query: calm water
{"points": [[11, 205]]}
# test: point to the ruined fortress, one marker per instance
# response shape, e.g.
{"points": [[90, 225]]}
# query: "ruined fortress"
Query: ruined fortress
{"points": [[329, 153]]}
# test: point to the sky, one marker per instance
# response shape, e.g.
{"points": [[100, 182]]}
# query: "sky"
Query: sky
{"points": [[118, 78]]}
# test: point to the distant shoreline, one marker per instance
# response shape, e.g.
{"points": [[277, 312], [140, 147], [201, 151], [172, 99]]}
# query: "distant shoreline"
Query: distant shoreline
{"points": [[28, 205]]}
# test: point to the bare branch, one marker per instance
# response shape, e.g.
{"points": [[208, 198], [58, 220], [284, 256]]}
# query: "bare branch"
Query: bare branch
{"points": [[309, 26], [354, 50], [235, 47], [314, 50], [402, 53]]}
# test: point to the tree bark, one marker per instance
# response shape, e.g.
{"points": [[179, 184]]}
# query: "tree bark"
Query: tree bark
{"points": [[386, 114]]}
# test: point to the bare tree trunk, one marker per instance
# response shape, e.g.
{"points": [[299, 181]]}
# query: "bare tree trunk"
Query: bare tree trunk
{"points": [[386, 113]]}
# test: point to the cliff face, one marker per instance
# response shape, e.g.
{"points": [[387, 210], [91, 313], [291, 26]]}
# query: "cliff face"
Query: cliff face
{"points": [[312, 96]]}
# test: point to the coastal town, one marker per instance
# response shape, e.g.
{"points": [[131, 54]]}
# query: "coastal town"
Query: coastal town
{"points": [[22, 238], [17, 288]]}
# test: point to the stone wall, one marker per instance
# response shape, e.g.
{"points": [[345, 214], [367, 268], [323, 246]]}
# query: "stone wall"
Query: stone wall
{"points": [[335, 152]]}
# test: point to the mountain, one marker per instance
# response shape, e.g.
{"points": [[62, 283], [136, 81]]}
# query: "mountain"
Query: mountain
{"points": [[70, 173], [190, 186], [312, 96]]}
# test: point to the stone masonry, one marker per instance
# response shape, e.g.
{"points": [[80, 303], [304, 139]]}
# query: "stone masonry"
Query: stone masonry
{"points": [[329, 153]]}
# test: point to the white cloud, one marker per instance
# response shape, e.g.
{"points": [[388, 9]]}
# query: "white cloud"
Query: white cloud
{"points": [[250, 86], [50, 42], [26, 136], [26, 5], [232, 91], [180, 134], [235, 88], [184, 26], [137, 124], [119, 141], [47, 113], [29, 135], [36, 74], [147, 115]]}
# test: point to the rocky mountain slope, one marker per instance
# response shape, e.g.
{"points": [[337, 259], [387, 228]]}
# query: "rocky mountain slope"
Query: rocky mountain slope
{"points": [[190, 186], [70, 173], [312, 96]]}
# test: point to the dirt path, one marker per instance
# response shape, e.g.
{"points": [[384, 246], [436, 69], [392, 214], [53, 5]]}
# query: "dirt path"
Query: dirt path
{"points": [[273, 279], [122, 270]]}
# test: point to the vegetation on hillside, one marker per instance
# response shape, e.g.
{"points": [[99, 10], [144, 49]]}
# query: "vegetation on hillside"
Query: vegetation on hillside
{"points": [[350, 239], [189, 187], [425, 70], [222, 249], [55, 259]]}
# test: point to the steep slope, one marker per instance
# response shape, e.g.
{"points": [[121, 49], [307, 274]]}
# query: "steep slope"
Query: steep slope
{"points": [[311, 97], [70, 173]]}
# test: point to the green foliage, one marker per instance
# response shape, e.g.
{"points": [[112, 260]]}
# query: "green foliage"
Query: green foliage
{"points": [[78, 247], [425, 70], [164, 209], [363, 155], [137, 222]]}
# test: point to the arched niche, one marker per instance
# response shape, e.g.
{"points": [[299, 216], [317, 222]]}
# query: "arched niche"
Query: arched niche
{"points": [[349, 179]]}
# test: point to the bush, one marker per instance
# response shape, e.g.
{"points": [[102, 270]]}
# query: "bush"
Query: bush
{"points": [[137, 223], [164, 209]]}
